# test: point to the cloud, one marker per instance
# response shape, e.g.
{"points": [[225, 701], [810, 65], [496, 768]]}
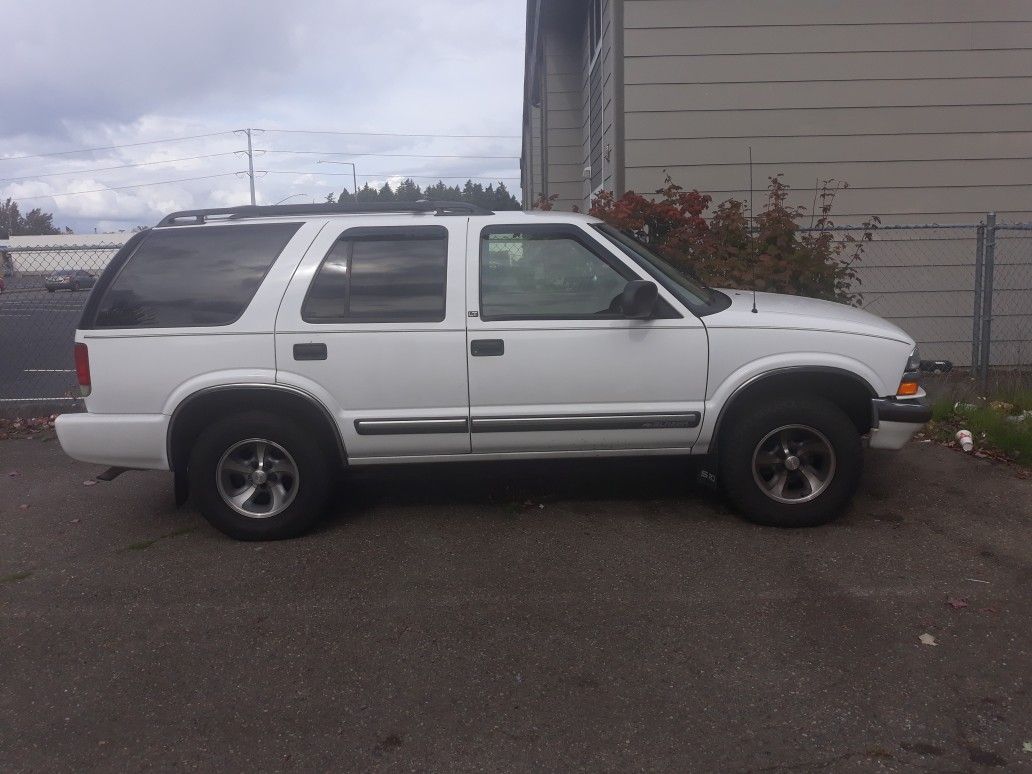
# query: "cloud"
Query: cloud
{"points": [[111, 73]]}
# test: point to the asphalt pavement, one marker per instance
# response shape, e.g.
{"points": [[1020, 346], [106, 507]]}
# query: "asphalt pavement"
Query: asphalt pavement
{"points": [[37, 330], [532, 616]]}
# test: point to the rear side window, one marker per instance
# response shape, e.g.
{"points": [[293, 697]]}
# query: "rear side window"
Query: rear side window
{"points": [[381, 275], [192, 277]]}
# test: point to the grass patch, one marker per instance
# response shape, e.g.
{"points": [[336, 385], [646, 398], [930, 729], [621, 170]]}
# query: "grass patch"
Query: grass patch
{"points": [[994, 424], [15, 576]]}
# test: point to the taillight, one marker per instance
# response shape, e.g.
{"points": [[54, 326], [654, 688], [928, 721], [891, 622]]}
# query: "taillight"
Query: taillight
{"points": [[82, 368]]}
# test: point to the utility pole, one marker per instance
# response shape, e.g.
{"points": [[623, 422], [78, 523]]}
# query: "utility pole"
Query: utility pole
{"points": [[250, 161], [250, 165]]}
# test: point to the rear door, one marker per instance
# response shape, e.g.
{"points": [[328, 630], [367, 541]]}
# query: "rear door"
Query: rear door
{"points": [[373, 324]]}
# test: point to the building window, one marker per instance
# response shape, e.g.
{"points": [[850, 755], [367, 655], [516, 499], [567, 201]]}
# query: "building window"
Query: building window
{"points": [[595, 11]]}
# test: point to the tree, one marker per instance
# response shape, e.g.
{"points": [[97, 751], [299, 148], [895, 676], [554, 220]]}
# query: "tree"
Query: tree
{"points": [[492, 198], [33, 222]]}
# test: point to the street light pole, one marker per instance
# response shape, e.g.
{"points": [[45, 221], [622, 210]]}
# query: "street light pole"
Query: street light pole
{"points": [[354, 173]]}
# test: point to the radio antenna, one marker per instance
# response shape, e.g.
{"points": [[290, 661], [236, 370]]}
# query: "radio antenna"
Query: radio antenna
{"points": [[752, 227]]}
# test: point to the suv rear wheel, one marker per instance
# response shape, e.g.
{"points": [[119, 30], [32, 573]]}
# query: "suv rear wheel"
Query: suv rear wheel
{"points": [[795, 462], [258, 476]]}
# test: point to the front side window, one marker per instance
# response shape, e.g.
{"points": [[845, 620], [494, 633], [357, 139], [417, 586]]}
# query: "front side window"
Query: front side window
{"points": [[686, 288], [381, 275], [528, 273], [191, 277]]}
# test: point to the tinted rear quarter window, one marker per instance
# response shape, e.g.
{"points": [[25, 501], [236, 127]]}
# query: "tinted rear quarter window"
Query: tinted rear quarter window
{"points": [[192, 277]]}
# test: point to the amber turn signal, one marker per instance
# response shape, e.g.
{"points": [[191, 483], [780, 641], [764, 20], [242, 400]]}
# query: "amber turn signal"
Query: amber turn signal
{"points": [[908, 388]]}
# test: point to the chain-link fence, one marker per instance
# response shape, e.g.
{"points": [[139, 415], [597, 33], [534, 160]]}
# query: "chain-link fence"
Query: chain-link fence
{"points": [[964, 292], [45, 288]]}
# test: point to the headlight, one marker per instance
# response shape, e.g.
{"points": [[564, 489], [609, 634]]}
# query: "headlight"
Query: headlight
{"points": [[914, 361]]}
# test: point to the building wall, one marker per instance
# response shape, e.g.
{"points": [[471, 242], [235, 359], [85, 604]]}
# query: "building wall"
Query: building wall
{"points": [[559, 134], [598, 127], [48, 253], [923, 107]]}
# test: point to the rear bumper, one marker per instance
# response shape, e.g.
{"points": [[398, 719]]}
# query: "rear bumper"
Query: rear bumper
{"points": [[897, 421], [121, 440]]}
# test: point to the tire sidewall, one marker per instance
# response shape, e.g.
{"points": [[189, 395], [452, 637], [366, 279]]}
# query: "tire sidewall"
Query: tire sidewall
{"points": [[738, 443], [313, 476]]}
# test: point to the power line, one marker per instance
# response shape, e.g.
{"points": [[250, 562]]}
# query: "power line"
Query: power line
{"points": [[122, 166], [124, 187], [386, 155], [381, 175], [113, 147], [397, 134]]}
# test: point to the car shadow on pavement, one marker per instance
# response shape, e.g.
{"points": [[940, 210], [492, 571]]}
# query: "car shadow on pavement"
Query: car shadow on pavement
{"points": [[523, 484]]}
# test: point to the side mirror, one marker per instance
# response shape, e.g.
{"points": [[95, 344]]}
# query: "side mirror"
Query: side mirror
{"points": [[639, 298]]}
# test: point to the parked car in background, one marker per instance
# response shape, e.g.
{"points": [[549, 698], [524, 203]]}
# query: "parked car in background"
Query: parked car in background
{"points": [[69, 279], [255, 351]]}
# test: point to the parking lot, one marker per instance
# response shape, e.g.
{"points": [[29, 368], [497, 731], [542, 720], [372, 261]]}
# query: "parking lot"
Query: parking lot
{"points": [[589, 615], [38, 330]]}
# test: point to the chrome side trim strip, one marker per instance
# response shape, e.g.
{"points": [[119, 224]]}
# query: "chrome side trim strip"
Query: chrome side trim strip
{"points": [[587, 422], [411, 426]]}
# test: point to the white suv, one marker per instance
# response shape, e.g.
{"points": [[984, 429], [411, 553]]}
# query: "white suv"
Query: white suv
{"points": [[254, 351]]}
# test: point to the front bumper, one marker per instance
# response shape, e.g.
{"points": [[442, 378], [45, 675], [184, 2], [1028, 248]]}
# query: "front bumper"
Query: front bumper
{"points": [[896, 420]]}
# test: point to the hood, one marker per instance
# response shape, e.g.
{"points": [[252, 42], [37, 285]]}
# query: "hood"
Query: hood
{"points": [[774, 310]]}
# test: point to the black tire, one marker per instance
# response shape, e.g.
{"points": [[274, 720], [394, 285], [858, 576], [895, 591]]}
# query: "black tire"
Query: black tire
{"points": [[740, 441], [313, 465]]}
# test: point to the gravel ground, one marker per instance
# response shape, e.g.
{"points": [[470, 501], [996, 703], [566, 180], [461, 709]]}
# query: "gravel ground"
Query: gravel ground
{"points": [[532, 616]]}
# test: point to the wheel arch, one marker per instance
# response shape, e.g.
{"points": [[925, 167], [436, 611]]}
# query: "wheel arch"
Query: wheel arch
{"points": [[190, 416], [848, 390]]}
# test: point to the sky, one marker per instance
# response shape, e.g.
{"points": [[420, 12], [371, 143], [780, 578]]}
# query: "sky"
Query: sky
{"points": [[327, 80]]}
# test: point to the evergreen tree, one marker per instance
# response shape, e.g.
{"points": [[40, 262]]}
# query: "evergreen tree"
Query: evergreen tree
{"points": [[367, 195], [493, 198]]}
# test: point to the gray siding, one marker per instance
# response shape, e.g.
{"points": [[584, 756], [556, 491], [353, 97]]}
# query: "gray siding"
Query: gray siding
{"points": [[923, 107], [563, 111]]}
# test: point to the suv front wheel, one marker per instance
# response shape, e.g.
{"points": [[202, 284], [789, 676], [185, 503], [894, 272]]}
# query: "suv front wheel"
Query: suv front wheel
{"points": [[257, 476], [795, 462]]}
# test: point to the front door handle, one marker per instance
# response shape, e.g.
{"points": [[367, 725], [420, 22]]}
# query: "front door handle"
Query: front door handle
{"points": [[309, 352], [487, 347]]}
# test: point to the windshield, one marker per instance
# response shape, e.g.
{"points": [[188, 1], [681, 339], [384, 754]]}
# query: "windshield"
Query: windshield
{"points": [[688, 289]]}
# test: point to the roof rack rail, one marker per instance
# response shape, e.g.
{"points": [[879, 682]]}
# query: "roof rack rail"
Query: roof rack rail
{"points": [[194, 217]]}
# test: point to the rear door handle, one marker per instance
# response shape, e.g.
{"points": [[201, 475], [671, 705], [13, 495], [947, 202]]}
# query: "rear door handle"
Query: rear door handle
{"points": [[309, 352], [487, 347]]}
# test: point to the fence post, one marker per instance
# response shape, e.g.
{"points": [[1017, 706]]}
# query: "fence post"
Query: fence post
{"points": [[987, 296], [976, 317]]}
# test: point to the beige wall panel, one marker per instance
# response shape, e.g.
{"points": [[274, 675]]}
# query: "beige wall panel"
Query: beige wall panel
{"points": [[698, 13], [840, 121], [807, 37]]}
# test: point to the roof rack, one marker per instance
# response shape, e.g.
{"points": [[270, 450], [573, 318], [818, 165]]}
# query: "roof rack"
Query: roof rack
{"points": [[194, 217]]}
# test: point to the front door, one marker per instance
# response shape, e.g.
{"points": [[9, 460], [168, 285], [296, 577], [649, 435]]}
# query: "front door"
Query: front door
{"points": [[555, 366]]}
